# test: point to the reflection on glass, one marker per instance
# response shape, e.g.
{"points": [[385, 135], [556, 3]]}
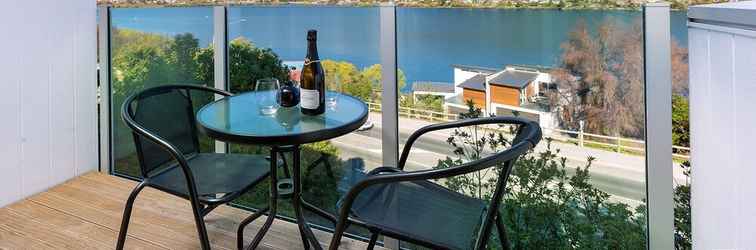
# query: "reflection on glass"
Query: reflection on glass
{"points": [[559, 68], [152, 47], [266, 93], [334, 85], [288, 117]]}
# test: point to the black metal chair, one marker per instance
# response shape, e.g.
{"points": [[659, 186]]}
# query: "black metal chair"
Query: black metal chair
{"points": [[167, 145], [409, 207]]}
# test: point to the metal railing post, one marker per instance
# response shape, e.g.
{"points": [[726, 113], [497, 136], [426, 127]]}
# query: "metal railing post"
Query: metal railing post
{"points": [[103, 47], [220, 62], [390, 101], [658, 106]]}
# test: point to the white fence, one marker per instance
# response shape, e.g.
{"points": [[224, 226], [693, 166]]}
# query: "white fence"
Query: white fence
{"points": [[581, 138]]}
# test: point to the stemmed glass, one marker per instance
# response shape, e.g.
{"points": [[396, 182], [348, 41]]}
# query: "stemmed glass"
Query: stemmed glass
{"points": [[267, 89], [332, 97]]}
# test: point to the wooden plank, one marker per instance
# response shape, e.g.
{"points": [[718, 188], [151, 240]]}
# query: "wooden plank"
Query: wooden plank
{"points": [[12, 238], [85, 213], [217, 221], [34, 230], [75, 228], [225, 218], [175, 220], [161, 231]]}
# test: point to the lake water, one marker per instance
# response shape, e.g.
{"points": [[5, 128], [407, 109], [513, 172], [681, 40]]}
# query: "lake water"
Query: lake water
{"points": [[429, 41]]}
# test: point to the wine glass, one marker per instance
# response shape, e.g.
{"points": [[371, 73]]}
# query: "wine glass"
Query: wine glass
{"points": [[267, 89], [332, 97]]}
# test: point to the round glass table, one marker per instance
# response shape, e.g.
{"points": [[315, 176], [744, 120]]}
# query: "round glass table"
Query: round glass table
{"points": [[238, 119]]}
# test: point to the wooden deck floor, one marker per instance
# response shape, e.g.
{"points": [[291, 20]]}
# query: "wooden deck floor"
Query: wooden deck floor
{"points": [[85, 213]]}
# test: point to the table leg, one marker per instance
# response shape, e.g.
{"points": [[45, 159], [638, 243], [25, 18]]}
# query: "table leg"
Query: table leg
{"points": [[273, 200], [244, 223], [304, 229]]}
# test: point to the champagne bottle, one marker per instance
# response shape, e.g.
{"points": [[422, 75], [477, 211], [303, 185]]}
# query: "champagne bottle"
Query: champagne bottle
{"points": [[312, 82]]}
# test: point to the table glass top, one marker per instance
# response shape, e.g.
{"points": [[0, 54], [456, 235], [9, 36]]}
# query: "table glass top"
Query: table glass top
{"points": [[240, 115]]}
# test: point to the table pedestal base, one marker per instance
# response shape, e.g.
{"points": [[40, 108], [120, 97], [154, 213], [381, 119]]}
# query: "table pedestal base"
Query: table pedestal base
{"points": [[308, 238]]}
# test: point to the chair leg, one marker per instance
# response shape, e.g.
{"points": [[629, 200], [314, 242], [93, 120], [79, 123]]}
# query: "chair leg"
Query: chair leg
{"points": [[373, 240], [503, 239], [199, 221], [127, 214]]}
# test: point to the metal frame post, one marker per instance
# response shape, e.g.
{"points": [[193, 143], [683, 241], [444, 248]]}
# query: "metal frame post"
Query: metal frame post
{"points": [[658, 106], [103, 47], [220, 59], [389, 101]]}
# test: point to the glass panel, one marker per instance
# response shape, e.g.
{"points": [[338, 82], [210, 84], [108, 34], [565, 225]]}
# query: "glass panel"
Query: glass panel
{"points": [[270, 41], [577, 73], [152, 47], [681, 128]]}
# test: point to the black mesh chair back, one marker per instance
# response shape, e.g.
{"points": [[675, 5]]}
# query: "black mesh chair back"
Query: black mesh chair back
{"points": [[168, 147], [169, 114]]}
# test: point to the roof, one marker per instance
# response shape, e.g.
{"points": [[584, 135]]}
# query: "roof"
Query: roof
{"points": [[437, 87], [479, 69], [734, 14], [477, 82], [514, 79], [534, 68]]}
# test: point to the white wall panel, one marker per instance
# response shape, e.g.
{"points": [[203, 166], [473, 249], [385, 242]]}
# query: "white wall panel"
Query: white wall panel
{"points": [[48, 131], [35, 96], [744, 82], [62, 95], [10, 185], [85, 96], [723, 100]]}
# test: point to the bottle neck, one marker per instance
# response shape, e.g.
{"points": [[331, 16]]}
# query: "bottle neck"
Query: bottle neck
{"points": [[312, 50]]}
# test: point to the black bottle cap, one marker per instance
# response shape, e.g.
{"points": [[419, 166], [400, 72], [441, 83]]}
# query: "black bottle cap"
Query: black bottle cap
{"points": [[312, 35]]}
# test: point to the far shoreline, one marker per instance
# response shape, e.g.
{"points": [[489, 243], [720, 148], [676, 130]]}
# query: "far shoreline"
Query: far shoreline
{"points": [[536, 6]]}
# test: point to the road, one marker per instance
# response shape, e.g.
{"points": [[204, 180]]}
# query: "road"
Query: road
{"points": [[621, 175]]}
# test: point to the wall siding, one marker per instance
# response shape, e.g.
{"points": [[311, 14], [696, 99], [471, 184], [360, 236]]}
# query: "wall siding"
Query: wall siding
{"points": [[49, 95], [478, 97], [505, 95], [723, 95]]}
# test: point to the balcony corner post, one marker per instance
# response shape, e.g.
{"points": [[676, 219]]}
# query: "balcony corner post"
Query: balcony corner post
{"points": [[389, 100], [658, 108]]}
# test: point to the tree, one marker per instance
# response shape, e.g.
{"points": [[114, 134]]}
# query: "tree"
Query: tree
{"points": [[365, 84], [600, 78], [372, 75], [181, 54], [683, 236], [350, 78], [248, 63], [680, 121]]}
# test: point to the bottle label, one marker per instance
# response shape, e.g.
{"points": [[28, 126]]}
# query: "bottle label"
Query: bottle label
{"points": [[310, 98]]}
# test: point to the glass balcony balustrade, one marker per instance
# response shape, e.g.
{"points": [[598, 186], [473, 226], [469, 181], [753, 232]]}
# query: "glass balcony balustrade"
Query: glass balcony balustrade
{"points": [[579, 74]]}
